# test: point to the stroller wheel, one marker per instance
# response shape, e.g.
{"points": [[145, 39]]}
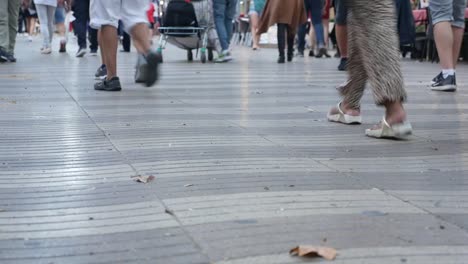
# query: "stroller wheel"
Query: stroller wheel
{"points": [[203, 57], [210, 55], [189, 55]]}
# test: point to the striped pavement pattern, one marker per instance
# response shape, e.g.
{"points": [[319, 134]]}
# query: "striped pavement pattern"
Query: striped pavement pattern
{"points": [[245, 164]]}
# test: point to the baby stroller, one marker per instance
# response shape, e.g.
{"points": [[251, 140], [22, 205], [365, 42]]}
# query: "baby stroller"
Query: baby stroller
{"points": [[189, 25]]}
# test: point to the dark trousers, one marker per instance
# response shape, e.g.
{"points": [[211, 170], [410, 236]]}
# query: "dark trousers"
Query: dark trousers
{"points": [[21, 22], [126, 39], [314, 7], [81, 13], [283, 30]]}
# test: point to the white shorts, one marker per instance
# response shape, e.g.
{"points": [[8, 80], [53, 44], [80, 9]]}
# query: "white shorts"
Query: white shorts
{"points": [[109, 12]]}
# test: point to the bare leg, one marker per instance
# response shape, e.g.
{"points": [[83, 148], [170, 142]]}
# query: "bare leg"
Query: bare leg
{"points": [[109, 44], [457, 43], [312, 39], [254, 26], [445, 42], [342, 39], [326, 28], [139, 34], [61, 30]]}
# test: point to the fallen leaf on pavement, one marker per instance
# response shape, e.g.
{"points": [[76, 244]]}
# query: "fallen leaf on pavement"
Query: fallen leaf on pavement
{"points": [[313, 251], [143, 179]]}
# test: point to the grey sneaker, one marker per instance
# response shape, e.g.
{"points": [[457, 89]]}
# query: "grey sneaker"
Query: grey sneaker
{"points": [[101, 72], [147, 68], [448, 84], [112, 85], [437, 78]]}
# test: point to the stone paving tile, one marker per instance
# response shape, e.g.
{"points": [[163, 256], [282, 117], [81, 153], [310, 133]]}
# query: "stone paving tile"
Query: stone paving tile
{"points": [[240, 239], [246, 165], [165, 245]]}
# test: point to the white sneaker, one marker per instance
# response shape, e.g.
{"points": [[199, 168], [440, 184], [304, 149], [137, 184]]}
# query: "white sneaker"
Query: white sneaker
{"points": [[225, 56], [46, 51], [30, 39]]}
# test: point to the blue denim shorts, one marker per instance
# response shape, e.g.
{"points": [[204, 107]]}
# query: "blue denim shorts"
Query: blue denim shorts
{"points": [[341, 11], [448, 11], [59, 15]]}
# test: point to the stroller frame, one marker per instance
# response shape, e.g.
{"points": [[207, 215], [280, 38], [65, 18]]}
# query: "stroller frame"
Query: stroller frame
{"points": [[167, 32]]}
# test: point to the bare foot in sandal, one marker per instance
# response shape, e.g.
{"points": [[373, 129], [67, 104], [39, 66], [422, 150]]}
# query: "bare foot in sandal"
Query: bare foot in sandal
{"points": [[342, 113], [393, 125]]}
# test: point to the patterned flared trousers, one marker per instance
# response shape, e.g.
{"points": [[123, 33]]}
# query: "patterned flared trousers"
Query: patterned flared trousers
{"points": [[373, 53]]}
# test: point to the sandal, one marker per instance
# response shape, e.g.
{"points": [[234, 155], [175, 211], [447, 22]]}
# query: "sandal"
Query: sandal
{"points": [[341, 117], [395, 131]]}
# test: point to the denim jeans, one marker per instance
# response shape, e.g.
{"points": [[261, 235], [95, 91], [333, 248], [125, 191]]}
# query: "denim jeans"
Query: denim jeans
{"points": [[224, 11], [315, 9]]}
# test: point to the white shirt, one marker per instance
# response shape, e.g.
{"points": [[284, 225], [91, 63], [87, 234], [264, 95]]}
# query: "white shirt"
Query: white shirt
{"points": [[46, 2]]}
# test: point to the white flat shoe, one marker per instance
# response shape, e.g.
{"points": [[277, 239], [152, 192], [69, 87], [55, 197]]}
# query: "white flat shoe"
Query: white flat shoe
{"points": [[341, 117], [395, 131]]}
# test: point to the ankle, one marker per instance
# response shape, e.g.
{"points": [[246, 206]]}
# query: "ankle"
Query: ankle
{"points": [[395, 113], [348, 109]]}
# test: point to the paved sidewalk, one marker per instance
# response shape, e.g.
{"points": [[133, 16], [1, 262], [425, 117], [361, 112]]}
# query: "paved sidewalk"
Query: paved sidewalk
{"points": [[245, 164]]}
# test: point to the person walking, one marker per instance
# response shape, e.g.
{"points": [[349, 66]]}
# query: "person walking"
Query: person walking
{"points": [[105, 16], [59, 20], [255, 10], [46, 12], [81, 12], [341, 31], [313, 7], [374, 56], [224, 11], [448, 18], [31, 17], [288, 15], [9, 11]]}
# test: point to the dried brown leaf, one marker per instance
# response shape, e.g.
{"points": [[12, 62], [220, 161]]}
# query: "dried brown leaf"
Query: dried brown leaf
{"points": [[143, 179], [314, 251]]}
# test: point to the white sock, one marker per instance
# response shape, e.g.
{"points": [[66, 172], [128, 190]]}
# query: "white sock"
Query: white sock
{"points": [[448, 72]]}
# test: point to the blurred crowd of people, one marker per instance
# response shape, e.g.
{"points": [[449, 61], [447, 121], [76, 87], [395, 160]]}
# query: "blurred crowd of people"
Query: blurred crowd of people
{"points": [[365, 31]]}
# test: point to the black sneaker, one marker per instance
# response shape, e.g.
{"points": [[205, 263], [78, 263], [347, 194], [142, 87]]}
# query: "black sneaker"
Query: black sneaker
{"points": [[11, 57], [343, 64], [93, 53], [101, 72], [437, 78], [311, 53], [3, 55], [63, 47], [281, 59], [448, 84], [300, 53], [322, 52], [112, 85], [148, 68], [81, 52]]}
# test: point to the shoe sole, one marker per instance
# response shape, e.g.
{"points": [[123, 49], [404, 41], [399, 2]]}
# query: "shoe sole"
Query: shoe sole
{"points": [[110, 90], [399, 132], [445, 88], [345, 119]]}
